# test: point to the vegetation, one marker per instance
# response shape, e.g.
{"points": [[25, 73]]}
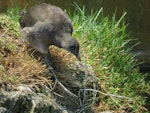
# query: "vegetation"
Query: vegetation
{"points": [[104, 46]]}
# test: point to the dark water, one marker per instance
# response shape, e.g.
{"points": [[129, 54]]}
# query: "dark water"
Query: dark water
{"points": [[138, 15]]}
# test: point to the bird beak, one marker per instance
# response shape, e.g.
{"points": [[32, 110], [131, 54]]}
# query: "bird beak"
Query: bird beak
{"points": [[78, 56]]}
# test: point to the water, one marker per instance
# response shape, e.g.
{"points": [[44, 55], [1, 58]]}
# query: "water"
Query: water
{"points": [[138, 15]]}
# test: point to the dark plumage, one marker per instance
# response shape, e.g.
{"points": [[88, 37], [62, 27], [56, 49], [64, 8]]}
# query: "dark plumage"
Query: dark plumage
{"points": [[44, 25]]}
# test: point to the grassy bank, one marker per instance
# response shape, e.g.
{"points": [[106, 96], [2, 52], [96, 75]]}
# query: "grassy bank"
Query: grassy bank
{"points": [[103, 43]]}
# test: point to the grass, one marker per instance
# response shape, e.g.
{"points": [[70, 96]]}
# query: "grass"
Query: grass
{"points": [[103, 43], [15, 63]]}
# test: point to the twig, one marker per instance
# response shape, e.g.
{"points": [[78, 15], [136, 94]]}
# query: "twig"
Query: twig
{"points": [[3, 34], [45, 81], [85, 97], [106, 94], [57, 81], [69, 92], [83, 107], [58, 94], [81, 110]]}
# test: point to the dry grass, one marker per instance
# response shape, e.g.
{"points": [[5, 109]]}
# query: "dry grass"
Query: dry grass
{"points": [[18, 65]]}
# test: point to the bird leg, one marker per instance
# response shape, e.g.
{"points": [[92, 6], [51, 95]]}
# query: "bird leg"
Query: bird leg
{"points": [[49, 64], [51, 69], [48, 60]]}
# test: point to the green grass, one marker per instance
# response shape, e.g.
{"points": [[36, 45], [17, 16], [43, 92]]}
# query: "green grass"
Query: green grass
{"points": [[104, 43], [9, 21]]}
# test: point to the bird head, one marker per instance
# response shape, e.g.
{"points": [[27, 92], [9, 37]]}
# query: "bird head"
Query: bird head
{"points": [[71, 44]]}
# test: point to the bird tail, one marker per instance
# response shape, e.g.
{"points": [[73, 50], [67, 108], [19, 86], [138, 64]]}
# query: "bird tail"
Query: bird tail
{"points": [[21, 19]]}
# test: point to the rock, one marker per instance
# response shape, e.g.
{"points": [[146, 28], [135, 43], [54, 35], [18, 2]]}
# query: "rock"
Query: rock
{"points": [[4, 110], [25, 100]]}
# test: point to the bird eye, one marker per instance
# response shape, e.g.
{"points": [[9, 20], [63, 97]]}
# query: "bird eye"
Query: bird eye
{"points": [[72, 47]]}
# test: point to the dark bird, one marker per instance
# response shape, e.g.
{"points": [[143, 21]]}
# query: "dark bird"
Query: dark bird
{"points": [[44, 25]]}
